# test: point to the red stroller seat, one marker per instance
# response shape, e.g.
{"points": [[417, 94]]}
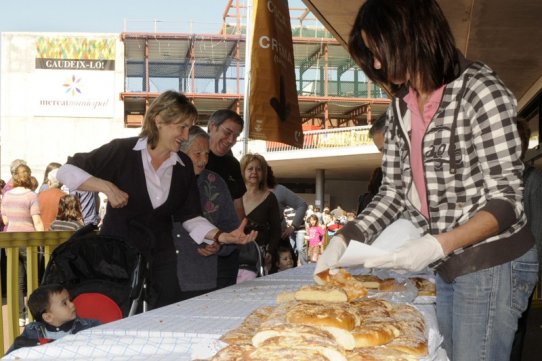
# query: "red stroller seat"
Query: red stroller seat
{"points": [[97, 306]]}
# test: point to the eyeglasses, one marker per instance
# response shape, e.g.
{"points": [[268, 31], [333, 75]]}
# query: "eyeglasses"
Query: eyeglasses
{"points": [[229, 133]]}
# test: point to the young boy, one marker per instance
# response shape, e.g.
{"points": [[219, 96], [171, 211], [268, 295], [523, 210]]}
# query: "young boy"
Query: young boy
{"points": [[54, 316]]}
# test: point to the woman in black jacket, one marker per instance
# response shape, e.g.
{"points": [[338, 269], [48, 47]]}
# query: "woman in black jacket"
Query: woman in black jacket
{"points": [[148, 181]]}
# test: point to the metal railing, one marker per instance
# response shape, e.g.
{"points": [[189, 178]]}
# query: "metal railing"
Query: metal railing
{"points": [[34, 243], [327, 138]]}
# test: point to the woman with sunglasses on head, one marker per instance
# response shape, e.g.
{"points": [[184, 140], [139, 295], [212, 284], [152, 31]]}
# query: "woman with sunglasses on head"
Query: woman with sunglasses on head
{"points": [[263, 215]]}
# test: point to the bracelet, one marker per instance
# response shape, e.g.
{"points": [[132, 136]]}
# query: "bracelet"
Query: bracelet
{"points": [[217, 234]]}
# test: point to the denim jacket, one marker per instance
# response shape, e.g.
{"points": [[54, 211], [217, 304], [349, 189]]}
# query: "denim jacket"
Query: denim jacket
{"points": [[36, 331]]}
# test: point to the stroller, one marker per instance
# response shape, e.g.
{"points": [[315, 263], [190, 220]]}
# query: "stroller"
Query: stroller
{"points": [[92, 263]]}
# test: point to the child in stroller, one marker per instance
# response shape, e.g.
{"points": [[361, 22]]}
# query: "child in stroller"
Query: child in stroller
{"points": [[54, 315], [92, 263]]}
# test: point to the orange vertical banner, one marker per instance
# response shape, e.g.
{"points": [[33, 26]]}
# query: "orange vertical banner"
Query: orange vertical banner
{"points": [[273, 105]]}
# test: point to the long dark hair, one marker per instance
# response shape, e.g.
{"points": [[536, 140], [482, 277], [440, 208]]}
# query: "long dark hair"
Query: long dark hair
{"points": [[410, 38]]}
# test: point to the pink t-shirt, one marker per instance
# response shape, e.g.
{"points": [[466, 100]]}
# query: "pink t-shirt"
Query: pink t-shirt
{"points": [[419, 126], [316, 236]]}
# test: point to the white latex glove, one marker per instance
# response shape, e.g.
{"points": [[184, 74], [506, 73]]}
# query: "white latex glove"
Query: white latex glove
{"points": [[331, 255], [414, 255]]}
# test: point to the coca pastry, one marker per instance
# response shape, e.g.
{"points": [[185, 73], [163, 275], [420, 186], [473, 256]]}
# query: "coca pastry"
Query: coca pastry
{"points": [[331, 321]]}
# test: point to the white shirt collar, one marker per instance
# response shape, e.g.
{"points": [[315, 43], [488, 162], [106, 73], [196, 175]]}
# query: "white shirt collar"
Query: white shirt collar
{"points": [[142, 145]]}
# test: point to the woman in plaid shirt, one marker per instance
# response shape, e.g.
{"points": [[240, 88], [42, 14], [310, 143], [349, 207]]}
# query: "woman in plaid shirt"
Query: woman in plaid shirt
{"points": [[452, 165]]}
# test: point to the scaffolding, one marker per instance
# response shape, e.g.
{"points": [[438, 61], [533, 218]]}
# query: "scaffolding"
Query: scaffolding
{"points": [[210, 70]]}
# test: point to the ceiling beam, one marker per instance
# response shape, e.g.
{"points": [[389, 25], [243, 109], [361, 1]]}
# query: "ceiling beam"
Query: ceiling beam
{"points": [[357, 112]]}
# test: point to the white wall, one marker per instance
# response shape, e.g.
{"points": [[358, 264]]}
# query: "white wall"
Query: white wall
{"points": [[41, 140]]}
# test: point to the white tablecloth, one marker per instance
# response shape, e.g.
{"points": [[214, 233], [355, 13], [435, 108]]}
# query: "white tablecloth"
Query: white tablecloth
{"points": [[185, 330]]}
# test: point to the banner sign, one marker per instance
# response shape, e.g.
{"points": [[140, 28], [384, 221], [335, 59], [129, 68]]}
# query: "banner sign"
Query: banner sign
{"points": [[273, 104], [74, 77]]}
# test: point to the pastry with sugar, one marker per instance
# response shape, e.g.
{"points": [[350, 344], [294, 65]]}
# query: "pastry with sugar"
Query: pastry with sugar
{"points": [[375, 334], [343, 279], [341, 337], [299, 348], [321, 293], [379, 354], [369, 281], [323, 314]]}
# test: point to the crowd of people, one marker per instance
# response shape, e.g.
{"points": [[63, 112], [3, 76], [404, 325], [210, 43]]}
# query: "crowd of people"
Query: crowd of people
{"points": [[202, 206], [25, 210]]}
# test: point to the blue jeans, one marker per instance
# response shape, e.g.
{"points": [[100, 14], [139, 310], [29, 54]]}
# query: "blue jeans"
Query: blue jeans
{"points": [[297, 239], [478, 313]]}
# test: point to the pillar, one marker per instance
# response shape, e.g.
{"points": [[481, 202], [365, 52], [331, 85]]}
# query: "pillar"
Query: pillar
{"points": [[320, 183]]}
